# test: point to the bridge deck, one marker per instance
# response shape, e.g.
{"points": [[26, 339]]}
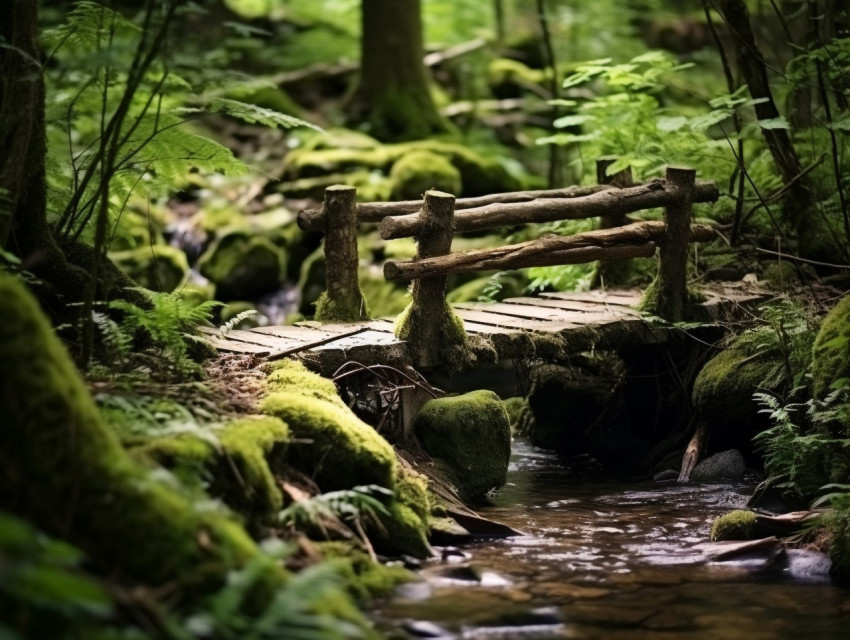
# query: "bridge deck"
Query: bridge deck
{"points": [[577, 321]]}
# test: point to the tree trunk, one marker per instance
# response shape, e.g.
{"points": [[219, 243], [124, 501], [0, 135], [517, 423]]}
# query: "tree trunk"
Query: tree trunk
{"points": [[752, 67], [393, 97]]}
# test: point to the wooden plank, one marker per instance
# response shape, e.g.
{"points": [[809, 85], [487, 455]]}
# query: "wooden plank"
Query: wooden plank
{"points": [[511, 322], [534, 312], [569, 305], [367, 338], [232, 346], [487, 329], [277, 343], [622, 298]]}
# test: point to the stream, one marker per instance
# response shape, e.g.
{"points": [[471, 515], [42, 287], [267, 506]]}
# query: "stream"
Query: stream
{"points": [[613, 560]]}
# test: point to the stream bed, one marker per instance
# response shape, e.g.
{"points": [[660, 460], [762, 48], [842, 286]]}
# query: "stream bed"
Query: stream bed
{"points": [[605, 560]]}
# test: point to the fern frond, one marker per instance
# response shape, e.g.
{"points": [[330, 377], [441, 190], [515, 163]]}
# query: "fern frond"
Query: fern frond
{"points": [[252, 114]]}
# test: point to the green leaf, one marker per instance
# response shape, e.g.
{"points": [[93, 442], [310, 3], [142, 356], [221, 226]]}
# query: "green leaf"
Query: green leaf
{"points": [[671, 123], [571, 121], [252, 114], [774, 123]]}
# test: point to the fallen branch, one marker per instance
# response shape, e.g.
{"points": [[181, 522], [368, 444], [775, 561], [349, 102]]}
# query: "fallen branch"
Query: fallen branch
{"points": [[693, 451]]}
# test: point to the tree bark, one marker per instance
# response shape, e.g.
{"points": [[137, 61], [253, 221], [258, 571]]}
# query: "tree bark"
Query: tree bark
{"points": [[393, 97], [634, 240], [752, 67], [657, 193]]}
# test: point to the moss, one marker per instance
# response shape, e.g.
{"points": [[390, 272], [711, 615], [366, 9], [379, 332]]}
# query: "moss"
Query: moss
{"points": [[383, 298], [453, 349], [66, 471], [418, 171], [350, 308], [509, 78], [242, 266], [406, 529], [479, 175], [735, 525], [364, 578], [654, 300], [831, 351], [340, 138], [159, 267], [241, 466], [724, 388], [331, 444], [515, 408], [290, 375], [470, 435]]}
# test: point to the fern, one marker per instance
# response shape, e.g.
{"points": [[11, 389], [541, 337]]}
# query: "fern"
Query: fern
{"points": [[252, 114], [357, 506], [170, 324], [231, 324]]}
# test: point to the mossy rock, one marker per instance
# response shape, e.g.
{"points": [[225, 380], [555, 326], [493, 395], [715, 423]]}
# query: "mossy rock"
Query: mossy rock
{"points": [[408, 524], [158, 268], [831, 351], [723, 389], [515, 408], [242, 266], [511, 78], [88, 489], [241, 464], [418, 171], [341, 138], [566, 403], [364, 578], [735, 525], [330, 443], [470, 436]]}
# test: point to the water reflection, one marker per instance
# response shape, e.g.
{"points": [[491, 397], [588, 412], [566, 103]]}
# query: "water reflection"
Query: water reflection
{"points": [[619, 561]]}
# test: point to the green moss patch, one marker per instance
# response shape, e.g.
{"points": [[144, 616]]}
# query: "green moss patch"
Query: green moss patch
{"points": [[158, 267], [470, 436], [735, 525], [242, 266], [831, 351], [419, 171], [89, 491]]}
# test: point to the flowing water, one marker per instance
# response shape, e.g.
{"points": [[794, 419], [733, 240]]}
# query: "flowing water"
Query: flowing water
{"points": [[614, 561]]}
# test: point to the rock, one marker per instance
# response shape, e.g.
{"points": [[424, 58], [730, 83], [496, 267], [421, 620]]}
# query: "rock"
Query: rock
{"points": [[158, 267], [419, 171], [242, 266], [831, 351], [666, 475], [735, 525], [425, 629], [726, 466], [470, 437]]}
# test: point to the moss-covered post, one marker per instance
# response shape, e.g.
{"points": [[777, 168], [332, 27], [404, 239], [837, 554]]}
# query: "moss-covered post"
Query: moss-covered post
{"points": [[667, 296], [429, 325], [342, 300], [612, 272]]}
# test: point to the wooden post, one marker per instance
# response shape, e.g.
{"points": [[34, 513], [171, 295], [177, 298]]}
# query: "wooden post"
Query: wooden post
{"points": [[342, 300], [667, 296], [610, 272], [428, 324]]}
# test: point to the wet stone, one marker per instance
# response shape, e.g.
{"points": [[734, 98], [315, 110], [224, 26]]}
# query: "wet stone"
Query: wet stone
{"points": [[565, 590]]}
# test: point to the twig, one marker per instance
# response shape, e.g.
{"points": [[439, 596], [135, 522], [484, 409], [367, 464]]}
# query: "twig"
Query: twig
{"points": [[788, 256]]}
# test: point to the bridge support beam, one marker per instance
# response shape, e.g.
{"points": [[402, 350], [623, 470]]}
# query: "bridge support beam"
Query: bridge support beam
{"points": [[342, 300], [429, 325], [667, 296]]}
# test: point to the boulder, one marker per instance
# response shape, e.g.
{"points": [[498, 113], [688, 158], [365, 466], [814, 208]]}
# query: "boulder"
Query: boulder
{"points": [[242, 266], [469, 437], [158, 267], [418, 171], [726, 466]]}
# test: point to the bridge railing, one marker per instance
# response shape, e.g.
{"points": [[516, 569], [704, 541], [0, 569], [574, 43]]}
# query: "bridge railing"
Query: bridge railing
{"points": [[434, 220]]}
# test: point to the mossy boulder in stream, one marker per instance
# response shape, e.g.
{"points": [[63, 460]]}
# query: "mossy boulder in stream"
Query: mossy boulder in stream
{"points": [[469, 436], [242, 266], [66, 471], [735, 525]]}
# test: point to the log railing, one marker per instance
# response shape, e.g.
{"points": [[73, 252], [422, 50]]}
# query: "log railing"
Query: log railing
{"points": [[617, 239]]}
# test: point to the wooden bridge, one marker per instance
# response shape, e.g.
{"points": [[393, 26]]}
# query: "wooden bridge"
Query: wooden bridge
{"points": [[553, 323], [579, 321]]}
